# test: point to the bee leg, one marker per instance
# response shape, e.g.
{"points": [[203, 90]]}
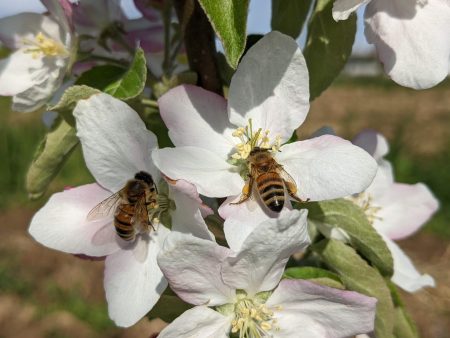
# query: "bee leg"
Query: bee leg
{"points": [[246, 192], [292, 191]]}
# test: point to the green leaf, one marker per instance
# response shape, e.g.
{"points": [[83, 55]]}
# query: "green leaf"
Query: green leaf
{"points": [[229, 20], [404, 327], [357, 275], [168, 307], [328, 46], [50, 157], [288, 16], [132, 82], [349, 217], [317, 275], [100, 77], [68, 101]]}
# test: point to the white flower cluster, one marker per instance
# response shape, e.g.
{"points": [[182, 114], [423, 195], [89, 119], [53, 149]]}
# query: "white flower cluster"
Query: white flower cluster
{"points": [[236, 149]]}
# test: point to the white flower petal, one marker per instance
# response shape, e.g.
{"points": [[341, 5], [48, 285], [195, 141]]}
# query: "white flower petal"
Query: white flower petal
{"points": [[133, 280], [19, 72], [192, 267], [271, 86], [259, 264], [343, 8], [197, 117], [187, 217], [41, 92], [411, 38], [404, 209], [61, 224], [242, 219], [24, 26], [372, 142], [405, 274], [327, 167], [199, 322], [210, 173], [311, 310], [116, 144]]}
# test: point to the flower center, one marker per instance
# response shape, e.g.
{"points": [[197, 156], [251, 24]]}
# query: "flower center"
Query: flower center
{"points": [[364, 201], [252, 318], [43, 45], [160, 212], [250, 139]]}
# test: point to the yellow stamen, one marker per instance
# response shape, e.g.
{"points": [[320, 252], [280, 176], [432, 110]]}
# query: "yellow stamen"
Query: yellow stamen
{"points": [[44, 46], [250, 140], [365, 202]]}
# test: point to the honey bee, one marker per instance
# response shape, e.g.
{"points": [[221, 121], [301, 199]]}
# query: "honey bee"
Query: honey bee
{"points": [[131, 206], [271, 181]]}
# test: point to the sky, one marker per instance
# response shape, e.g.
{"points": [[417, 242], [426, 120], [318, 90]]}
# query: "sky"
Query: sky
{"points": [[258, 20]]}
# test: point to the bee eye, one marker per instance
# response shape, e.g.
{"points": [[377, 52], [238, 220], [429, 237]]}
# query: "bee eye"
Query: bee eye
{"points": [[135, 188]]}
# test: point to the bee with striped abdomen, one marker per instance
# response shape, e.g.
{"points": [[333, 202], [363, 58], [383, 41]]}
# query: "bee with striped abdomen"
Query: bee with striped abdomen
{"points": [[270, 179], [131, 206]]}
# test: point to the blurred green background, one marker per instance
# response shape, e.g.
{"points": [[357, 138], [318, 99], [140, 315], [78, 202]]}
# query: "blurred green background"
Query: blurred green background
{"points": [[49, 294]]}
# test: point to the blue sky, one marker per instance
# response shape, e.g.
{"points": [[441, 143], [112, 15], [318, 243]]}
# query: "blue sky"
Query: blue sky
{"points": [[258, 21]]}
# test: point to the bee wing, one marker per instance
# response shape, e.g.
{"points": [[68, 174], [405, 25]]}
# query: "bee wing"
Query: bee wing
{"points": [[287, 178], [140, 213], [105, 207]]}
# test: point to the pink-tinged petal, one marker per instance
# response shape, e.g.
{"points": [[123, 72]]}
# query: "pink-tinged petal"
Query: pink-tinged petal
{"points": [[411, 38], [311, 310], [187, 217], [196, 117], [272, 90], [383, 180], [42, 91], [61, 223], [242, 219], [210, 173], [404, 209], [192, 267], [24, 26], [259, 264], [133, 280], [199, 322], [91, 17], [19, 72], [405, 274], [147, 10], [327, 167], [61, 11], [116, 144], [372, 142], [150, 39], [343, 8]]}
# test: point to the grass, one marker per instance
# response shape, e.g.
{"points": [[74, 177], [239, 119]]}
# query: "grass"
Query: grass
{"points": [[16, 281], [19, 136]]}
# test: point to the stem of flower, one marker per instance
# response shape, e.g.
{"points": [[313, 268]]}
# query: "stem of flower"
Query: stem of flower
{"points": [[150, 103], [200, 44]]}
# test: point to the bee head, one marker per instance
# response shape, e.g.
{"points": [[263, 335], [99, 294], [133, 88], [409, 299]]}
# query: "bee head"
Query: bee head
{"points": [[144, 176]]}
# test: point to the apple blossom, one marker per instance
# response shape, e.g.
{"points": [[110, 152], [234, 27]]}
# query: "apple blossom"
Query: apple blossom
{"points": [[268, 99], [411, 37], [240, 293], [116, 145], [396, 210], [43, 47]]}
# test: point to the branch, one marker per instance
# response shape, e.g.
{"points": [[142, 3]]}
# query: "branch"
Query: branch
{"points": [[200, 44]]}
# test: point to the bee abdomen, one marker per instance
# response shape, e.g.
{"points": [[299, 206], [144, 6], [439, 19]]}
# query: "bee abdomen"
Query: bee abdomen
{"points": [[123, 222], [271, 189]]}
